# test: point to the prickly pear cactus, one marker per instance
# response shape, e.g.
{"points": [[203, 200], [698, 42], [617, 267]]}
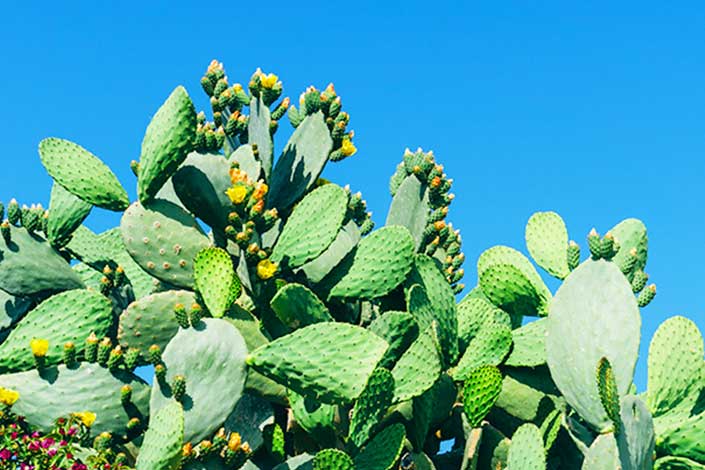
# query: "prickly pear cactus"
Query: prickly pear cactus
{"points": [[246, 314]]}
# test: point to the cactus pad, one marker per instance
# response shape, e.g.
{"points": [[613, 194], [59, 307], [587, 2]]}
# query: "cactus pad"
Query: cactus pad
{"points": [[69, 316], [491, 345], [399, 329], [547, 241], [29, 265], [161, 448], [347, 239], [593, 315], [383, 450], [332, 459], [337, 368], [602, 454], [631, 233], [259, 133], [473, 313], [609, 396], [312, 226], [481, 390], [380, 263], [215, 279], [60, 391], [529, 345], [163, 239], [635, 441], [212, 358], [371, 406], [82, 174], [66, 213], [684, 439], [410, 207], [526, 450], [419, 367], [296, 306], [168, 140]]}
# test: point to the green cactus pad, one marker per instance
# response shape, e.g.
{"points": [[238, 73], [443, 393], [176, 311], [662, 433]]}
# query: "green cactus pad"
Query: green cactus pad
{"points": [[602, 454], [29, 265], [473, 313], [332, 459], [675, 371], [419, 367], [593, 315], [215, 279], [316, 418], [169, 138], [82, 174], [635, 440], [529, 345], [526, 450], [371, 406], [326, 361], [163, 239], [347, 239], [66, 213], [513, 281], [399, 329], [211, 356], [420, 306], [259, 134], [161, 447], [246, 161], [383, 450], [410, 207], [481, 390], [299, 462], [200, 183], [631, 233], [489, 347], [380, 263], [302, 162], [428, 274], [684, 439], [296, 306], [677, 463], [60, 391], [607, 390], [312, 226], [68, 316], [547, 241], [250, 416], [11, 310], [150, 320]]}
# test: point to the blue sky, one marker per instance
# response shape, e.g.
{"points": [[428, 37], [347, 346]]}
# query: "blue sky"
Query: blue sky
{"points": [[592, 109]]}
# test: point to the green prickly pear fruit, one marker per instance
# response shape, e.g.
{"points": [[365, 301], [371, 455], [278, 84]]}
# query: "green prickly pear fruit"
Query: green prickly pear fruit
{"points": [[594, 244], [181, 315], [195, 314], [91, 351], [134, 425], [5, 231], [154, 354], [295, 117], [115, 357], [646, 296], [639, 281], [274, 441], [482, 388], [132, 357], [69, 353], [104, 349], [609, 396], [160, 372], [135, 167], [13, 212], [178, 387], [573, 255], [125, 394], [607, 244], [102, 441], [628, 262]]}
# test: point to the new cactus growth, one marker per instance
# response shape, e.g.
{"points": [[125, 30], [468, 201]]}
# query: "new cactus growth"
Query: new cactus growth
{"points": [[280, 330]]}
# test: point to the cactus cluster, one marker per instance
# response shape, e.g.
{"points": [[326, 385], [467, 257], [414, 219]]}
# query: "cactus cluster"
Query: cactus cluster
{"points": [[283, 332]]}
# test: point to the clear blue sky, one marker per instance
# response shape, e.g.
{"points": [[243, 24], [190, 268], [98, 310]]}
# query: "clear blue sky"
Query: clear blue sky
{"points": [[592, 109]]}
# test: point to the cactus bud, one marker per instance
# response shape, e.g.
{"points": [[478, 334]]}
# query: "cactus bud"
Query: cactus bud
{"points": [[573, 255], [134, 424], [115, 357], [160, 372], [207, 85], [120, 277], [132, 357], [639, 281], [181, 315], [294, 116], [187, 450], [125, 394], [91, 351], [594, 244], [13, 212], [69, 353], [178, 387], [607, 246], [196, 314], [280, 110], [104, 349], [646, 296], [102, 441], [367, 226], [6, 233], [628, 262], [154, 354]]}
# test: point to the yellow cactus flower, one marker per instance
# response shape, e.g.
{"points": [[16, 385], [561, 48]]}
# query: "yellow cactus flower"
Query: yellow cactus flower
{"points": [[266, 269], [39, 347], [348, 148], [237, 193], [268, 81], [86, 417], [8, 397], [234, 442]]}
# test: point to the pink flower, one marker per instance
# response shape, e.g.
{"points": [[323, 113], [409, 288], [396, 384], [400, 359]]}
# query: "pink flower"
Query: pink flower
{"points": [[5, 454]]}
